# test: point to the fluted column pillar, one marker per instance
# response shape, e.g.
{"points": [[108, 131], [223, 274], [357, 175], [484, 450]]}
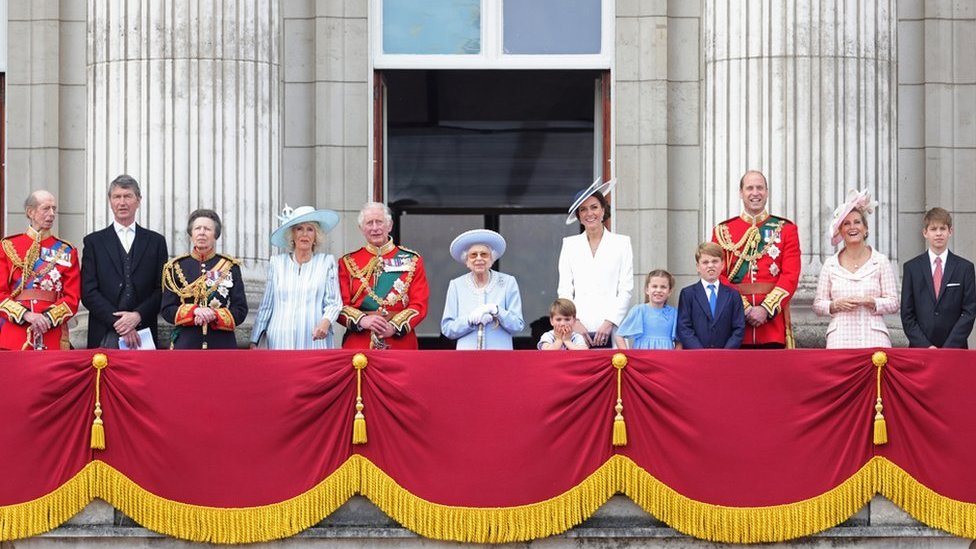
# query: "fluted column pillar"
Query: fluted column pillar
{"points": [[183, 95], [805, 92]]}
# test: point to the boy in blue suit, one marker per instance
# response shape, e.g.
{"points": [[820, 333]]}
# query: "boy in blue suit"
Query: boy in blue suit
{"points": [[938, 291], [710, 315]]}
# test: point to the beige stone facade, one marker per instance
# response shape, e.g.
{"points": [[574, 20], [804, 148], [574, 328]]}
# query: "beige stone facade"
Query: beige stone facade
{"points": [[302, 124]]}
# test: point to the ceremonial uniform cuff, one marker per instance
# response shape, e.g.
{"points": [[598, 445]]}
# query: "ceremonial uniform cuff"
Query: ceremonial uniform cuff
{"points": [[58, 314], [774, 301], [14, 311], [401, 321], [353, 316], [745, 303], [225, 320], [184, 315]]}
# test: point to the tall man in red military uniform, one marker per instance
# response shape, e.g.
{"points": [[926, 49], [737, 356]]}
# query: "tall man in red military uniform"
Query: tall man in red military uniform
{"points": [[383, 286], [40, 281], [762, 260]]}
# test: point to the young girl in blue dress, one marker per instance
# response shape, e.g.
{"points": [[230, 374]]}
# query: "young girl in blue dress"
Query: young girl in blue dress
{"points": [[652, 324]]}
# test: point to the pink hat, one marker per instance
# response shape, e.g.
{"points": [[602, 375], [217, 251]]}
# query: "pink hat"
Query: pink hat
{"points": [[856, 200]]}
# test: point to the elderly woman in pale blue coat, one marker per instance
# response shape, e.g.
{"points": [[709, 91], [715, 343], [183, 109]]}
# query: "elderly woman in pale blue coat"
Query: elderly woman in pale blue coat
{"points": [[484, 307], [301, 300]]}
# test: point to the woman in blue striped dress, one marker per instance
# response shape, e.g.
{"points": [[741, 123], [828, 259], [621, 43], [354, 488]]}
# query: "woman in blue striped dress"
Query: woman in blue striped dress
{"points": [[301, 300]]}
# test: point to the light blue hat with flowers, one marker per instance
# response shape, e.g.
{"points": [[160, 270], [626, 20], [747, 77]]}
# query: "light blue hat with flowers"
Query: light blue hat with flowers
{"points": [[327, 219]]}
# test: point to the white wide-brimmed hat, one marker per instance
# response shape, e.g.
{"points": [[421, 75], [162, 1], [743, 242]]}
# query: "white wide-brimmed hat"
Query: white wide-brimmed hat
{"points": [[467, 239], [596, 187], [856, 200], [327, 219]]}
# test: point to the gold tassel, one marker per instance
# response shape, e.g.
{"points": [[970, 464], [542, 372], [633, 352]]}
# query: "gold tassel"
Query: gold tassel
{"points": [[619, 427], [359, 422], [879, 359], [99, 362]]}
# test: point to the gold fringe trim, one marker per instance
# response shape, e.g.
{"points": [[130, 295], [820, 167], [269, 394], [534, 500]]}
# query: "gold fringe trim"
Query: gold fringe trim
{"points": [[226, 525], [748, 524], [924, 504], [489, 524], [49, 511]]}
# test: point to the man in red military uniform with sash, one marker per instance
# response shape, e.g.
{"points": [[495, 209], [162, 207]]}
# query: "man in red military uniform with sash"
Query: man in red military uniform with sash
{"points": [[383, 286], [40, 281], [762, 261]]}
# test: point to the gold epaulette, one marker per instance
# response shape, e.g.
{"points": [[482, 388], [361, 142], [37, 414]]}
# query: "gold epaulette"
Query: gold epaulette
{"points": [[177, 258], [11, 253], [69, 244], [408, 250], [783, 219], [233, 260]]}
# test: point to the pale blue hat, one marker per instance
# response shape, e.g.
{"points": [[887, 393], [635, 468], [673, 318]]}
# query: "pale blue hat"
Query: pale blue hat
{"points": [[467, 239], [327, 219]]}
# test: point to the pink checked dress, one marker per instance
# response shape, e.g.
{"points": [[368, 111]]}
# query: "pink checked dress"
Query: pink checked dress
{"points": [[861, 327]]}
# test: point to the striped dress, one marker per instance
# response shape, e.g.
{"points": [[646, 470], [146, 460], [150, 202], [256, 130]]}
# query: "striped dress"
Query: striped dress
{"points": [[296, 298]]}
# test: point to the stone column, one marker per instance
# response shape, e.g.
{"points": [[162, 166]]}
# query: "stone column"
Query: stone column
{"points": [[184, 96], [805, 92]]}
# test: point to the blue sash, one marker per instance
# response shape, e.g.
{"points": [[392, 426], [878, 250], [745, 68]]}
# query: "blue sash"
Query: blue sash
{"points": [[37, 266]]}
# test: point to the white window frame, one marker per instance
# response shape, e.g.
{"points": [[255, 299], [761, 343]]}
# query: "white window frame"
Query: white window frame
{"points": [[492, 55]]}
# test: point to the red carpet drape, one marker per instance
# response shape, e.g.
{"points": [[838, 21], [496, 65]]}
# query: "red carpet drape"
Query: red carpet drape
{"points": [[234, 446]]}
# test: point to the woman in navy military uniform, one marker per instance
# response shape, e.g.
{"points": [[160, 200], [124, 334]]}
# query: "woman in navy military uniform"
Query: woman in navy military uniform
{"points": [[203, 292]]}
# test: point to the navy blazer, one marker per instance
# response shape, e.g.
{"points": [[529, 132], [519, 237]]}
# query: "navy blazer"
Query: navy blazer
{"points": [[944, 322], [102, 279], [696, 327]]}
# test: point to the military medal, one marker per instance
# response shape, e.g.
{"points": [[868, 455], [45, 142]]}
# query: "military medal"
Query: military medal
{"points": [[773, 269]]}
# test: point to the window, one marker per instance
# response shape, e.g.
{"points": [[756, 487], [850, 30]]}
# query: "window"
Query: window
{"points": [[489, 139], [459, 34], [503, 150], [439, 27]]}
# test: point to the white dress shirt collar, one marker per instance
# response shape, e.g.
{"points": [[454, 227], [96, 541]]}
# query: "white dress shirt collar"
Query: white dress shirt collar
{"points": [[932, 255], [705, 285]]}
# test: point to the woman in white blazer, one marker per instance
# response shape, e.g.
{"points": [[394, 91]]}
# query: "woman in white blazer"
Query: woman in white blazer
{"points": [[596, 268]]}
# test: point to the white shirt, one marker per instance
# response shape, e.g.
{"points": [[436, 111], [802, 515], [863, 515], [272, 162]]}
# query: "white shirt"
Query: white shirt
{"points": [[707, 284], [121, 230], [932, 255]]}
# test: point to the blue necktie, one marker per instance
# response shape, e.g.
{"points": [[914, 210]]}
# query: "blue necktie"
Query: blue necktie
{"points": [[712, 298]]}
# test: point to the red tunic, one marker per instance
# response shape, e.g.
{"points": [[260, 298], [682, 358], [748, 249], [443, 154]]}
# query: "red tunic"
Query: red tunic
{"points": [[39, 273], [762, 260], [389, 281]]}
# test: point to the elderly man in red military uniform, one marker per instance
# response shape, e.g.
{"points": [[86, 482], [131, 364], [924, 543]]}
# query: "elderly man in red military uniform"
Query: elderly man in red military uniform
{"points": [[383, 286], [40, 281], [762, 260]]}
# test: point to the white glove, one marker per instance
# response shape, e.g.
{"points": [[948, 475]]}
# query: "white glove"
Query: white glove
{"points": [[474, 317], [491, 309], [486, 319]]}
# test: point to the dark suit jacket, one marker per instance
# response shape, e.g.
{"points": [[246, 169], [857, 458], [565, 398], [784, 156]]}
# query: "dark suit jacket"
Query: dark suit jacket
{"points": [[102, 279], [696, 327], [948, 321]]}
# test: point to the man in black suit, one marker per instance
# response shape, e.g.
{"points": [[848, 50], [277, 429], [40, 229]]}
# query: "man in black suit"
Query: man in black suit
{"points": [[121, 272], [938, 291]]}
